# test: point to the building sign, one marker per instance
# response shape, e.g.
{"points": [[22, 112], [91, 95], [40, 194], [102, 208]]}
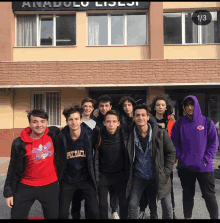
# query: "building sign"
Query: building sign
{"points": [[78, 6]]}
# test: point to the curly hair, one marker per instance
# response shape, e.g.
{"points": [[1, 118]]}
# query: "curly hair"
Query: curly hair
{"points": [[164, 97], [70, 110], [123, 100]]}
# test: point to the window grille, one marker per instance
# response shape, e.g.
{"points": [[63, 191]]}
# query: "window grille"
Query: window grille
{"points": [[50, 102]]}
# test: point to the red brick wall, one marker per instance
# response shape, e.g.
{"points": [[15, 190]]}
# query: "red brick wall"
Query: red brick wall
{"points": [[109, 72], [6, 138]]}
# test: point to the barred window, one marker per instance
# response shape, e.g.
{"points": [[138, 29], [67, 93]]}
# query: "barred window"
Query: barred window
{"points": [[50, 102]]}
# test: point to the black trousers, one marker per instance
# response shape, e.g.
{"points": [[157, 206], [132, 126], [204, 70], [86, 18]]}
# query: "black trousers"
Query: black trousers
{"points": [[26, 195], [206, 182], [113, 199], [120, 189], [78, 197], [76, 204], [67, 192]]}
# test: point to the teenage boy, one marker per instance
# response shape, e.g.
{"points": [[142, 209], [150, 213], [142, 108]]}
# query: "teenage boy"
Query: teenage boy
{"points": [[126, 106], [34, 169], [152, 155], [196, 146], [104, 105], [161, 109], [111, 158], [79, 173], [88, 107]]}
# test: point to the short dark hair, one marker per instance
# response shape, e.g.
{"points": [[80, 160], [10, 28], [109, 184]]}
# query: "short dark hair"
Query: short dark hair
{"points": [[104, 99], [88, 100], [188, 101], [164, 97], [141, 106], [112, 112], [37, 113], [70, 110]]}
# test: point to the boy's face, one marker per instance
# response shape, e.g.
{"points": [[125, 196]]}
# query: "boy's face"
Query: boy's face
{"points": [[189, 109], [141, 117], [104, 107], [74, 121], [128, 107], [160, 107], [111, 123], [88, 108], [38, 125]]}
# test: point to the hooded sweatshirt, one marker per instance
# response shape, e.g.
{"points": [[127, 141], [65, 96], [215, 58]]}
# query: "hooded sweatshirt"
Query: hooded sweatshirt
{"points": [[40, 169], [196, 152]]}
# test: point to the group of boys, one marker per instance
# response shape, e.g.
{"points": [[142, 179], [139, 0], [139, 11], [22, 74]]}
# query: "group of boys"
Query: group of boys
{"points": [[96, 155]]}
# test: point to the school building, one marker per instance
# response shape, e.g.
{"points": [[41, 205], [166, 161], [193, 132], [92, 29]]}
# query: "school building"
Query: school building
{"points": [[53, 54]]}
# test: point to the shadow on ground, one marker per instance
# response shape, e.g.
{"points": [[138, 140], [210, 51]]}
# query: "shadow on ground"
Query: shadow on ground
{"points": [[217, 173]]}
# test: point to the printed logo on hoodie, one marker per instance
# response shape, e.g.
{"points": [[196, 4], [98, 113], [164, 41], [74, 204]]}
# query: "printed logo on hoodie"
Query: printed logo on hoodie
{"points": [[200, 127], [42, 152]]}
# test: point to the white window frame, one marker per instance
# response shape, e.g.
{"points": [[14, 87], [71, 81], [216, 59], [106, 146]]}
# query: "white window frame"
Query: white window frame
{"points": [[38, 32], [199, 41], [44, 103], [124, 29]]}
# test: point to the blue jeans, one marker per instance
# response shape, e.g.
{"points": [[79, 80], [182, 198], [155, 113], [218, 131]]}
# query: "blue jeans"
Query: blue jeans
{"points": [[138, 187], [166, 205]]}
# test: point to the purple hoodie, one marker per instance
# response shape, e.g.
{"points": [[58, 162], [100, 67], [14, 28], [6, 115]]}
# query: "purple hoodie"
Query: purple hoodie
{"points": [[195, 152]]}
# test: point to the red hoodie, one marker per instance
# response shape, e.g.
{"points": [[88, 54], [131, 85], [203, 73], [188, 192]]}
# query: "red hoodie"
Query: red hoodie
{"points": [[39, 166]]}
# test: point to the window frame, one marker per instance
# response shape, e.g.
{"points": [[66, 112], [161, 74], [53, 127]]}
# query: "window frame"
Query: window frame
{"points": [[199, 40], [45, 105], [125, 33], [38, 30]]}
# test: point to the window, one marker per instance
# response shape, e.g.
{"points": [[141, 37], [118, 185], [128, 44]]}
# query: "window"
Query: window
{"points": [[180, 29], [50, 102], [46, 30], [117, 29]]}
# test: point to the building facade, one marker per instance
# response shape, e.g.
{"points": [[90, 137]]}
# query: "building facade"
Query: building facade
{"points": [[53, 54]]}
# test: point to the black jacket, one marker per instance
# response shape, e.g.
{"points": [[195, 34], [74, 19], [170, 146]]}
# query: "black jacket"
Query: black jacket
{"points": [[17, 163], [163, 153], [61, 142], [96, 141]]}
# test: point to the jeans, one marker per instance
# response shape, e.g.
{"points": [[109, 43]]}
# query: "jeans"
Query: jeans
{"points": [[166, 204], [206, 182], [144, 203], [138, 187], [26, 195], [172, 193], [89, 193], [120, 189]]}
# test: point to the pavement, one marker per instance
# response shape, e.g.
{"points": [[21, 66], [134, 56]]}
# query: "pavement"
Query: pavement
{"points": [[199, 210]]}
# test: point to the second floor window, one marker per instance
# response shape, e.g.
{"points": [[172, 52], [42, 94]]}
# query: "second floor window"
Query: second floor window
{"points": [[117, 29], [180, 29], [46, 30]]}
